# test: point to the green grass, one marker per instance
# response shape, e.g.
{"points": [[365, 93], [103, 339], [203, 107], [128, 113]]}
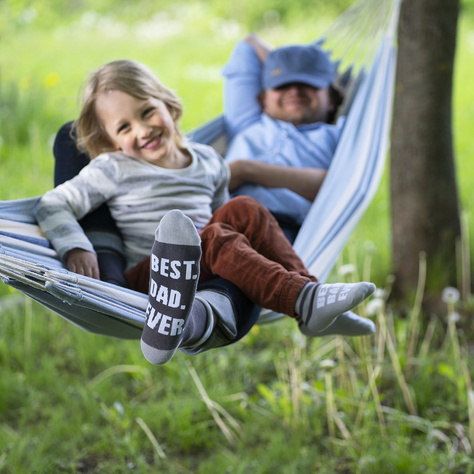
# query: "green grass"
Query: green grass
{"points": [[399, 402]]}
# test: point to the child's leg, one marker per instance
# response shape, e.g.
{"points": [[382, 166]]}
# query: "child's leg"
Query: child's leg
{"points": [[244, 244], [250, 218]]}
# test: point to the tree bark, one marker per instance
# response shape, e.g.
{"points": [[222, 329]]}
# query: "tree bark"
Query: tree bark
{"points": [[424, 199]]}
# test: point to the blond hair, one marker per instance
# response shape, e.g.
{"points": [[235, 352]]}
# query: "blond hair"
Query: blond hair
{"points": [[134, 79]]}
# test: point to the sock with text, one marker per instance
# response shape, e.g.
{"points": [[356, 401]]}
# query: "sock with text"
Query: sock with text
{"points": [[173, 317], [319, 304]]}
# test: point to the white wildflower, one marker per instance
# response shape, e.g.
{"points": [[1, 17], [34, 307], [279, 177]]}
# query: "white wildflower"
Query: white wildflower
{"points": [[379, 293], [348, 269], [450, 295], [374, 306], [454, 317], [328, 364], [369, 246]]}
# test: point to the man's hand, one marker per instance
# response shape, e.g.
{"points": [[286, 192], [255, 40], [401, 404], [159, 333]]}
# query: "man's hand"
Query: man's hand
{"points": [[83, 262], [262, 48], [303, 181]]}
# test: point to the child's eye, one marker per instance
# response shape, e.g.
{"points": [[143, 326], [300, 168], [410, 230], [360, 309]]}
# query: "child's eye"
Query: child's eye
{"points": [[122, 128], [147, 112]]}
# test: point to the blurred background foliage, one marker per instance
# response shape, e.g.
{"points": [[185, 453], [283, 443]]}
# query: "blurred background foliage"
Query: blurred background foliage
{"points": [[20, 14]]}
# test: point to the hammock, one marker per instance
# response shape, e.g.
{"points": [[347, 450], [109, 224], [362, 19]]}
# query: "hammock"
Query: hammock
{"points": [[362, 41]]}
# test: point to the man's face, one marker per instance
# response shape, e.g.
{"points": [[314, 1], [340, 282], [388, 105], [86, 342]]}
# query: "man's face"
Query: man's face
{"points": [[297, 103]]}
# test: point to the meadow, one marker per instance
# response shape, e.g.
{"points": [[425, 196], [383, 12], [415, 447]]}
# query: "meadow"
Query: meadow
{"points": [[401, 401]]}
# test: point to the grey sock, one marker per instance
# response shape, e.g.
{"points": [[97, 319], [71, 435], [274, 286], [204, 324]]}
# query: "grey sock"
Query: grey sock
{"points": [[174, 276], [346, 324], [319, 304]]}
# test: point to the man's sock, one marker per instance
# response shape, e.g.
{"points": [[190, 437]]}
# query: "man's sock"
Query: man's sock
{"points": [[346, 324], [319, 304], [172, 317]]}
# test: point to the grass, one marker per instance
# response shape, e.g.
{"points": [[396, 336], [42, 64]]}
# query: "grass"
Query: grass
{"points": [[401, 401]]}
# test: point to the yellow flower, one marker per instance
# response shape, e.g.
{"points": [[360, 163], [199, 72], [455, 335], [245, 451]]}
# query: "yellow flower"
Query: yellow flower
{"points": [[255, 329], [51, 79]]}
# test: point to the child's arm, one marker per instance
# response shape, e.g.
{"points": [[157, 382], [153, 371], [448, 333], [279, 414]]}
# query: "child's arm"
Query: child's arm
{"points": [[58, 210], [60, 225]]}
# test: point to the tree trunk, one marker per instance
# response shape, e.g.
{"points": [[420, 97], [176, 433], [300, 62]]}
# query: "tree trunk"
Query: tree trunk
{"points": [[425, 214]]}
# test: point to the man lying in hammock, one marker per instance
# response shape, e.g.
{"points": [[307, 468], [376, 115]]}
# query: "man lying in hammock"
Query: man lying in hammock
{"points": [[279, 109]]}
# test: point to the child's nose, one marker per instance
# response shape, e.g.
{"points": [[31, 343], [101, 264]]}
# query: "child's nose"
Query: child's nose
{"points": [[144, 129]]}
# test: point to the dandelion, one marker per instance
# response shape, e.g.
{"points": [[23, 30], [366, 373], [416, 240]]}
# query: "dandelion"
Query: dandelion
{"points": [[379, 293], [369, 246], [450, 295], [390, 279], [348, 269], [454, 317], [51, 79], [374, 306], [327, 364]]}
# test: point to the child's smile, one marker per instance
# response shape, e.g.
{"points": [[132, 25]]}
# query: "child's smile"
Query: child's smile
{"points": [[153, 143]]}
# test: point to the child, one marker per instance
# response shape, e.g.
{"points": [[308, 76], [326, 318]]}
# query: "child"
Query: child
{"points": [[145, 170]]}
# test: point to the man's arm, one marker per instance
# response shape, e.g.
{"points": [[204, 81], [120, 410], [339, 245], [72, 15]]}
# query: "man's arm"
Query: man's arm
{"points": [[303, 181], [242, 84], [261, 47]]}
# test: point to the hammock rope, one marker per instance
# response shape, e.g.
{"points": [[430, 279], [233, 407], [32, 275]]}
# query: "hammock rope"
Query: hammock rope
{"points": [[362, 41]]}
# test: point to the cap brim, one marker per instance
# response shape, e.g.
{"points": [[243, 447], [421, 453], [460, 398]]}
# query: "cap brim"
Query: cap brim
{"points": [[320, 82]]}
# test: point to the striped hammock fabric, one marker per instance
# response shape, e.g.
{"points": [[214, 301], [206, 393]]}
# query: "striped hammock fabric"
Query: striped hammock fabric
{"points": [[362, 42]]}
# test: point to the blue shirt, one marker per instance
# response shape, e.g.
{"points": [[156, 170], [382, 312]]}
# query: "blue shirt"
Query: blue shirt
{"points": [[254, 135]]}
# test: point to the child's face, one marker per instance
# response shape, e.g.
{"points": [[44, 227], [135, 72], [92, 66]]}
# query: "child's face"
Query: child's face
{"points": [[141, 129]]}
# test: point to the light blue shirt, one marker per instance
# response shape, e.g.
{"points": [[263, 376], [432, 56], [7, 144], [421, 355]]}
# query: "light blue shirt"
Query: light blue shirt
{"points": [[254, 135]]}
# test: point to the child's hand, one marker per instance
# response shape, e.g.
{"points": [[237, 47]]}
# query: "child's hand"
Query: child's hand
{"points": [[83, 262]]}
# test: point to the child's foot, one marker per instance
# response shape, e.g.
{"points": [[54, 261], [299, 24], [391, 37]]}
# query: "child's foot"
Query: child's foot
{"points": [[319, 304], [346, 324], [174, 276]]}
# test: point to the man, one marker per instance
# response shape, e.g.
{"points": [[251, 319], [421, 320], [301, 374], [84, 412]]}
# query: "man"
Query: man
{"points": [[278, 107]]}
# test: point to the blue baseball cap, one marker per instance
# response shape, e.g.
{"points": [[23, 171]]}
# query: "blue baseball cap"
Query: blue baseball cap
{"points": [[304, 64]]}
